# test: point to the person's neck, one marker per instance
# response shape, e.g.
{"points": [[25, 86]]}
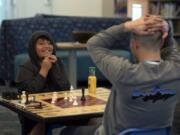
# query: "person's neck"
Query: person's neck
{"points": [[149, 57]]}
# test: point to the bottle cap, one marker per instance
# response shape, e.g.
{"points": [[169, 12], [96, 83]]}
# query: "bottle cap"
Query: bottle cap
{"points": [[92, 70]]}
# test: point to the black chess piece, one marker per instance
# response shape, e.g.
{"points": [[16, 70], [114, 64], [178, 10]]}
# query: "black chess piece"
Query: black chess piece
{"points": [[83, 98], [27, 98]]}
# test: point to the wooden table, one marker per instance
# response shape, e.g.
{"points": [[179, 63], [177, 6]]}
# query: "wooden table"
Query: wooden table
{"points": [[72, 47], [50, 113]]}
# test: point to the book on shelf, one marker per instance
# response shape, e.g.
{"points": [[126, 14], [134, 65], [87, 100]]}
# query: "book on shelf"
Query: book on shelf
{"points": [[171, 25], [165, 9]]}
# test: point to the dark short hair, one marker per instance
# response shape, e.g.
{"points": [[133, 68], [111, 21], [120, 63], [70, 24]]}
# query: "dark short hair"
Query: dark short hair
{"points": [[151, 41], [44, 37]]}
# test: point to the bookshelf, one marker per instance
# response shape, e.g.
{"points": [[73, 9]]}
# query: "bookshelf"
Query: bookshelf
{"points": [[170, 10]]}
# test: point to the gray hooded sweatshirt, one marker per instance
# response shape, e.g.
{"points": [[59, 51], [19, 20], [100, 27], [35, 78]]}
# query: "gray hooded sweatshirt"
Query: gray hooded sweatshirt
{"points": [[143, 95]]}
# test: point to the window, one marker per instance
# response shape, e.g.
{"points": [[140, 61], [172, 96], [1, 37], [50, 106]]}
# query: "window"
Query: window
{"points": [[136, 11], [7, 9], [2, 13], [137, 8]]}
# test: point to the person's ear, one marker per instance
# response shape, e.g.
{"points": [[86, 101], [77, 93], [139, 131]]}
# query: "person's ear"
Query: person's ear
{"points": [[135, 44], [162, 43]]}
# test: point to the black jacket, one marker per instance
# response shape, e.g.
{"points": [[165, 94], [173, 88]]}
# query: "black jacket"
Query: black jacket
{"points": [[30, 80]]}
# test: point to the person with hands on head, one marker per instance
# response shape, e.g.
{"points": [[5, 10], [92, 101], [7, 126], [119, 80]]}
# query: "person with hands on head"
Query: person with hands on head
{"points": [[143, 94], [42, 72]]}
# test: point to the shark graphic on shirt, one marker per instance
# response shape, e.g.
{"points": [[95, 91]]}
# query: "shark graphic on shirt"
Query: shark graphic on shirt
{"points": [[155, 94]]}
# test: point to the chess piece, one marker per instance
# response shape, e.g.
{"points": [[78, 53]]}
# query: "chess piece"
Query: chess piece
{"points": [[71, 88], [75, 103], [65, 96], [70, 98], [71, 94], [54, 97], [27, 98], [33, 98], [83, 98], [23, 97]]}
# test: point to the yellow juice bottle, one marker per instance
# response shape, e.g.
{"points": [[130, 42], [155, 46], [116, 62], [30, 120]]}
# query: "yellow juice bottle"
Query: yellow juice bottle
{"points": [[92, 81]]}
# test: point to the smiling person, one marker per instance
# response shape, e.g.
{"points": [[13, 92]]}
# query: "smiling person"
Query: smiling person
{"points": [[42, 72]]}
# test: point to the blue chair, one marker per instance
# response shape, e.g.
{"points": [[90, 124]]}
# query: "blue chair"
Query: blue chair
{"points": [[136, 131]]}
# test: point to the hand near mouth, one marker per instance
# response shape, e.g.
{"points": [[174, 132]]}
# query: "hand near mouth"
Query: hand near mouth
{"points": [[46, 64], [52, 58]]}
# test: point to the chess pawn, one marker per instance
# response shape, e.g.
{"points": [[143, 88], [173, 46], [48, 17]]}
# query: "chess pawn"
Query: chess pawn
{"points": [[54, 97], [65, 96], [92, 81], [71, 88], [75, 103], [23, 97]]}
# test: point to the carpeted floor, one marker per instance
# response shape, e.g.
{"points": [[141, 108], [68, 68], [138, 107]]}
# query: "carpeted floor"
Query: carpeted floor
{"points": [[9, 123]]}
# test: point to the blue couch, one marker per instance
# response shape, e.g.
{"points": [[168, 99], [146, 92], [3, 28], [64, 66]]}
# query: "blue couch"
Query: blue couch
{"points": [[14, 35]]}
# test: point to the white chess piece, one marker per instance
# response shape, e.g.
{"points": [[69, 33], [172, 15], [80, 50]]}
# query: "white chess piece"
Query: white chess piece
{"points": [[70, 97], [71, 88], [71, 94], [54, 97], [75, 103], [65, 96], [23, 97]]}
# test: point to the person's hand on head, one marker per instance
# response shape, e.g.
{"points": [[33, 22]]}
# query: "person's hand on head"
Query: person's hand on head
{"points": [[162, 25], [140, 25], [148, 25]]}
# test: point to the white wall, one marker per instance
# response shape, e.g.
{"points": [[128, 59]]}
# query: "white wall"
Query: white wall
{"points": [[108, 8], [28, 8], [78, 7]]}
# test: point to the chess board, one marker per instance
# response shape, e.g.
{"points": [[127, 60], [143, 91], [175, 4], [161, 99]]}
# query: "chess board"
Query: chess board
{"points": [[65, 103], [94, 104]]}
